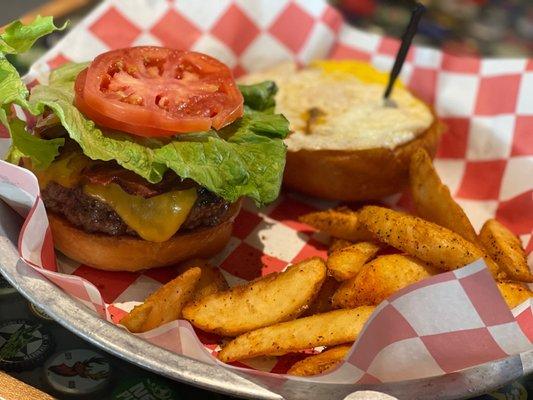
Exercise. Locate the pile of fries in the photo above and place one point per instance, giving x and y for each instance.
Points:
(375, 251)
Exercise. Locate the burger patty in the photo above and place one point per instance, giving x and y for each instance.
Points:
(95, 216)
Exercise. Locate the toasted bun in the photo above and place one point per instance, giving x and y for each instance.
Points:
(125, 253)
(345, 145)
(355, 175)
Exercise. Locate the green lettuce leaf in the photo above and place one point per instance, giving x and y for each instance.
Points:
(95, 145)
(248, 163)
(259, 96)
(246, 158)
(42, 152)
(67, 72)
(18, 38)
(12, 89)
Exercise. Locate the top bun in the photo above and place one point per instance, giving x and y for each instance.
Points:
(346, 144)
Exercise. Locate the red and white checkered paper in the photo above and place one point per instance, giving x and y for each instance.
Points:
(443, 324)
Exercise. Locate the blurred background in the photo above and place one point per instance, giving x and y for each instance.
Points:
(496, 28)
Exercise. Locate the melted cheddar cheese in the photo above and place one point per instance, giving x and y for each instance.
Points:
(155, 219)
(65, 170)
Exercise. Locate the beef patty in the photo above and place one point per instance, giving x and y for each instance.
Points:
(95, 216)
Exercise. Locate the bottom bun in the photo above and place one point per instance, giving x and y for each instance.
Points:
(356, 175)
(126, 253)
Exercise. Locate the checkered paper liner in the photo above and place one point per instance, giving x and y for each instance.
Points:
(486, 157)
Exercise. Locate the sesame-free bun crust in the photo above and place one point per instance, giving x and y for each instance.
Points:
(356, 175)
(127, 253)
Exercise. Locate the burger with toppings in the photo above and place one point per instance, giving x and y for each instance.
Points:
(144, 154)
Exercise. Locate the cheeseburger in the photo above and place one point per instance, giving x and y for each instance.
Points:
(144, 154)
(346, 143)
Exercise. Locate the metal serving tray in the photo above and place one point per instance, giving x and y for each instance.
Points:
(80, 320)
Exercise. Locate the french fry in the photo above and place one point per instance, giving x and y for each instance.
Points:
(506, 250)
(514, 293)
(337, 244)
(322, 302)
(347, 262)
(211, 280)
(165, 304)
(434, 203)
(136, 318)
(379, 279)
(328, 329)
(320, 363)
(424, 240)
(432, 199)
(341, 223)
(269, 300)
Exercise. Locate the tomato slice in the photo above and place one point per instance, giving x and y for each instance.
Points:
(157, 91)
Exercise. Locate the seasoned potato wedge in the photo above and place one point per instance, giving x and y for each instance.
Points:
(347, 262)
(341, 223)
(320, 363)
(379, 279)
(165, 304)
(506, 250)
(432, 199)
(271, 299)
(136, 318)
(422, 239)
(337, 244)
(328, 329)
(211, 280)
(322, 302)
(514, 293)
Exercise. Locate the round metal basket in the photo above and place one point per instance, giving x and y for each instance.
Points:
(77, 318)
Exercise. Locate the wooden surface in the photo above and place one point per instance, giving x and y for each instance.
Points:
(13, 389)
(55, 8)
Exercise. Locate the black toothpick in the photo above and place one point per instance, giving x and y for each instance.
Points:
(407, 38)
